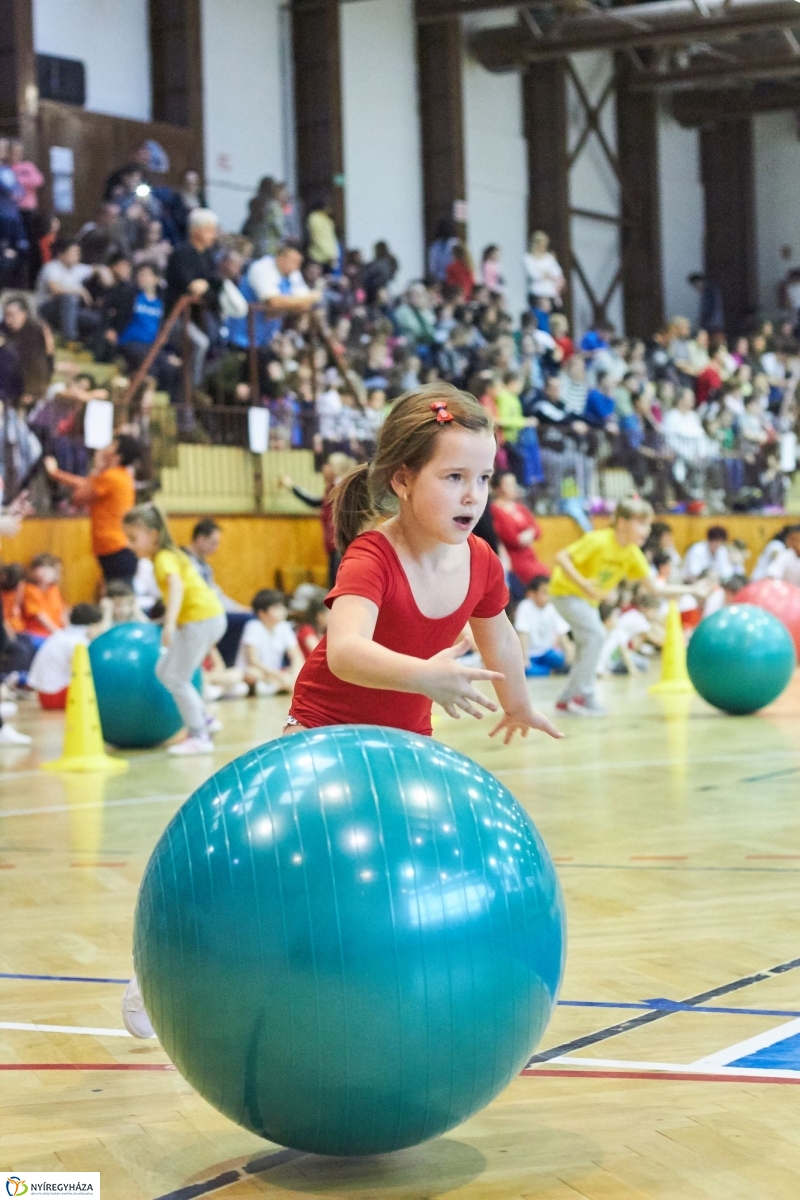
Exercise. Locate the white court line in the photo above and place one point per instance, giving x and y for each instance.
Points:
(80, 1029)
(760, 1042)
(61, 808)
(703, 1067)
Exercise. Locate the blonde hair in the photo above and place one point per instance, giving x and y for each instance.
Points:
(633, 508)
(407, 439)
(149, 516)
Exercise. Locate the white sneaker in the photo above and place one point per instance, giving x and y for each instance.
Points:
(134, 1016)
(193, 745)
(9, 736)
(266, 689)
(8, 709)
(237, 691)
(211, 692)
(213, 725)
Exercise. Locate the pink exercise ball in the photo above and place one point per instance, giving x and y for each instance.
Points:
(780, 598)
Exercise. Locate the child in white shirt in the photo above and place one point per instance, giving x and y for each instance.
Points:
(267, 642)
(542, 631)
(51, 669)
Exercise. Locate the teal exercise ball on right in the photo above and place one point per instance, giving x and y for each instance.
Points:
(741, 658)
(136, 710)
(349, 940)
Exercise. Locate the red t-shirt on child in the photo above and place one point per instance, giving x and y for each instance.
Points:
(371, 568)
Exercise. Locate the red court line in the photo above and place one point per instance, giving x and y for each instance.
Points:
(671, 1075)
(658, 857)
(86, 1067)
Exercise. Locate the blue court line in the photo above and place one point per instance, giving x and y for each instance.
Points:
(63, 978)
(659, 1004)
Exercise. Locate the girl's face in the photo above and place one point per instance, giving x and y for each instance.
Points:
(632, 531)
(445, 498)
(142, 541)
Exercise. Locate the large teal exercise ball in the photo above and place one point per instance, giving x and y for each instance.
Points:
(136, 711)
(349, 940)
(741, 658)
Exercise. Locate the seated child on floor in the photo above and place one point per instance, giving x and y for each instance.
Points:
(43, 608)
(634, 628)
(542, 631)
(267, 643)
(51, 669)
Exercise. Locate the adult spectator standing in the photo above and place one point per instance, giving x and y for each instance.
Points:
(323, 244)
(379, 273)
(206, 539)
(32, 343)
(193, 269)
(543, 271)
(709, 555)
(711, 314)
(61, 293)
(13, 239)
(109, 493)
(29, 179)
(440, 252)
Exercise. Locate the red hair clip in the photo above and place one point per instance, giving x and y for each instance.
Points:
(440, 408)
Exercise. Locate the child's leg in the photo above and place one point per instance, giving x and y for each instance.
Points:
(175, 669)
(589, 634)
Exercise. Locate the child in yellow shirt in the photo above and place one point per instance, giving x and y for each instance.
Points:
(194, 622)
(585, 574)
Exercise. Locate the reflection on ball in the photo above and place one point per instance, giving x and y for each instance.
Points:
(349, 940)
(741, 658)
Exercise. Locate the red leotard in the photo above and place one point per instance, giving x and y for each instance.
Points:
(371, 568)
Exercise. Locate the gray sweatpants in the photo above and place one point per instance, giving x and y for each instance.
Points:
(589, 634)
(190, 645)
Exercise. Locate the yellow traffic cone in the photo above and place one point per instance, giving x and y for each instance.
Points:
(674, 676)
(83, 740)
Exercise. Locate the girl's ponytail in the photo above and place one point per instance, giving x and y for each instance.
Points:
(353, 510)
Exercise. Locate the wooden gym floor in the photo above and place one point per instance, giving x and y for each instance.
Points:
(670, 1067)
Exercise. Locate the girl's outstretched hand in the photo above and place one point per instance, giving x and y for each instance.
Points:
(510, 725)
(450, 683)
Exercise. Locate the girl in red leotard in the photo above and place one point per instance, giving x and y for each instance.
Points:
(517, 529)
(413, 575)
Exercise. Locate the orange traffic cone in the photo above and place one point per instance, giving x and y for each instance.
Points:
(83, 739)
(674, 676)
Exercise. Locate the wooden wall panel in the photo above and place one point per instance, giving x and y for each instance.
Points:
(100, 144)
(441, 122)
(255, 547)
(726, 166)
(318, 104)
(544, 110)
(637, 148)
(176, 62)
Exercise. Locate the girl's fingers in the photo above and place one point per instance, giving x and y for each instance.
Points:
(452, 711)
(478, 698)
(546, 726)
(482, 673)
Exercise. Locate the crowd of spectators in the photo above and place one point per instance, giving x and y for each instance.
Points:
(696, 420)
